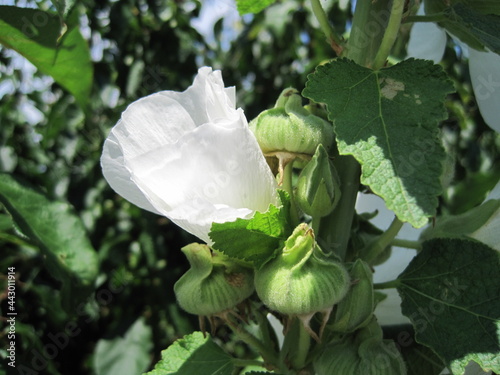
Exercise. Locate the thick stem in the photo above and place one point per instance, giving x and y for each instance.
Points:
(390, 34)
(331, 36)
(335, 228)
(303, 344)
(385, 239)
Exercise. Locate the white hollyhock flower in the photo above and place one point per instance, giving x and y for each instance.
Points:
(189, 156)
(428, 41)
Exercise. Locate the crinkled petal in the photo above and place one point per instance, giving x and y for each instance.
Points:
(161, 119)
(427, 40)
(484, 70)
(216, 173)
(118, 176)
(189, 156)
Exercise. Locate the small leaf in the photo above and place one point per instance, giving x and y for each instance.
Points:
(388, 120)
(127, 355)
(450, 292)
(257, 239)
(58, 232)
(252, 6)
(36, 35)
(192, 353)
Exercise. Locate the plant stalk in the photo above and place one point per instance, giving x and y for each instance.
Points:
(385, 239)
(406, 243)
(390, 34)
(331, 36)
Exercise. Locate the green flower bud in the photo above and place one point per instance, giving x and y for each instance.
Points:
(291, 128)
(302, 280)
(356, 309)
(212, 284)
(318, 188)
(364, 352)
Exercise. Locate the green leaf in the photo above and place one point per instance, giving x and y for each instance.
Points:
(467, 23)
(127, 355)
(463, 225)
(482, 6)
(252, 6)
(257, 239)
(36, 35)
(419, 359)
(388, 120)
(192, 353)
(58, 232)
(474, 22)
(450, 291)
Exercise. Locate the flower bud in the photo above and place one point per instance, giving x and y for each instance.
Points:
(302, 280)
(318, 188)
(289, 127)
(356, 309)
(212, 284)
(363, 352)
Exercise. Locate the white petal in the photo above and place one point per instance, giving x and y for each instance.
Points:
(118, 176)
(158, 120)
(427, 40)
(189, 156)
(214, 174)
(484, 70)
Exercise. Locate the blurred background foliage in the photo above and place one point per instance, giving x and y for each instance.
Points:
(139, 47)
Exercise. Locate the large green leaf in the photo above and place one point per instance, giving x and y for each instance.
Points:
(450, 292)
(257, 239)
(125, 355)
(36, 35)
(58, 232)
(193, 354)
(387, 119)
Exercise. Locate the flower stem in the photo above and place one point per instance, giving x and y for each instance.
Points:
(303, 344)
(387, 285)
(331, 36)
(390, 34)
(406, 243)
(288, 187)
(296, 346)
(384, 240)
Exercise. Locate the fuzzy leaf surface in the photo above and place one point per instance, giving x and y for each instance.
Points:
(388, 120)
(255, 240)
